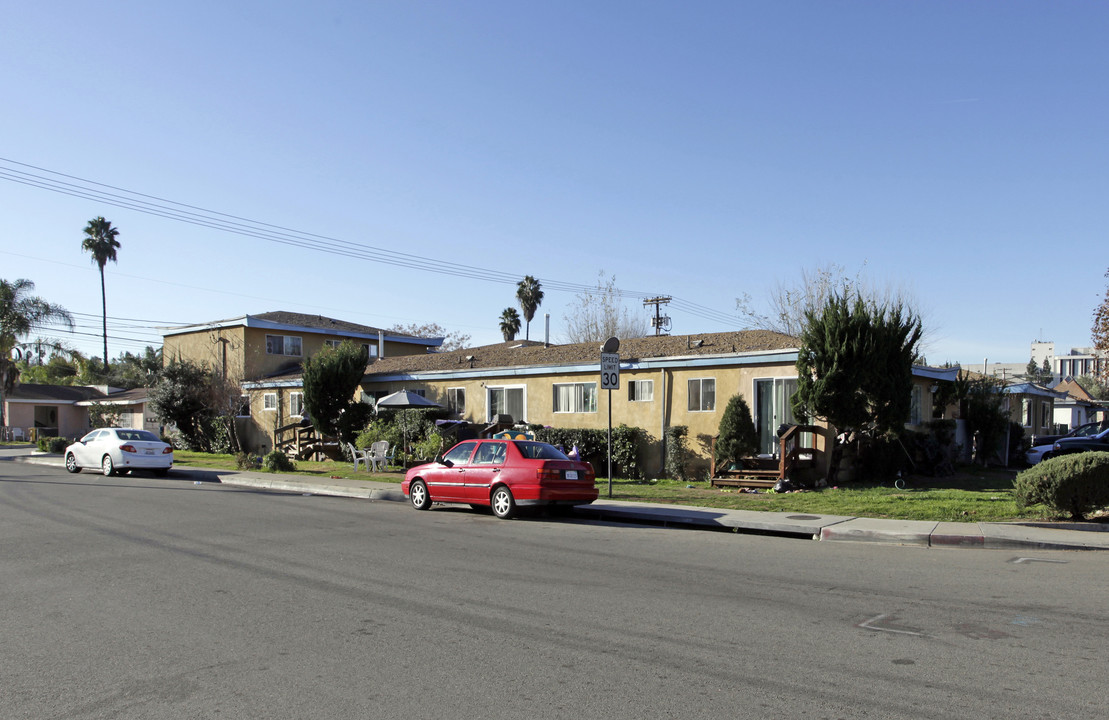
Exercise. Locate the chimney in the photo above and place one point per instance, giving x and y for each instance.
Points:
(547, 332)
(381, 343)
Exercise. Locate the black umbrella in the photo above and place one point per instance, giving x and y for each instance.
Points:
(406, 400)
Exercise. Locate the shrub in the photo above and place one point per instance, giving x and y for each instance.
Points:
(429, 447)
(677, 454)
(52, 444)
(1076, 484)
(378, 430)
(736, 435)
(277, 461)
(246, 461)
(627, 444)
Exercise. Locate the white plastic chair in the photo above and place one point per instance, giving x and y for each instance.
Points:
(379, 455)
(359, 456)
(17, 434)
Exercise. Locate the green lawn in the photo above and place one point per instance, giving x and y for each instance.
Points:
(972, 495)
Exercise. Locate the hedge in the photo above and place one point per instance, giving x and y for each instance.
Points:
(1076, 484)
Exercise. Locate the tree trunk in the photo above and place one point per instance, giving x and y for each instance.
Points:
(104, 308)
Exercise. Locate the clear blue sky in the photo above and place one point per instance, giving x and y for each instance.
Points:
(703, 150)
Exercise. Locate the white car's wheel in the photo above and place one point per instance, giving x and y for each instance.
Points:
(71, 463)
(107, 466)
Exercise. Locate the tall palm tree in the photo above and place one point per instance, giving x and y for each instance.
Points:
(100, 241)
(20, 314)
(510, 323)
(529, 293)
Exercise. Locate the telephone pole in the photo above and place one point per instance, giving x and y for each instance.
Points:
(660, 322)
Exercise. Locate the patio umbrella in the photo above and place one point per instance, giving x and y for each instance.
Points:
(406, 400)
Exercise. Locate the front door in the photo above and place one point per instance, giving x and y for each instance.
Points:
(772, 409)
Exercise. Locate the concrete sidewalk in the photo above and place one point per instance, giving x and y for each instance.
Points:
(1008, 536)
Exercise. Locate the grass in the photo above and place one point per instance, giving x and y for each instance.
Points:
(971, 495)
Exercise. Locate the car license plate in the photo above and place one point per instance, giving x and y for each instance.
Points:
(148, 451)
(571, 474)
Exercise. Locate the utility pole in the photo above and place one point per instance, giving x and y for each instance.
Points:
(660, 322)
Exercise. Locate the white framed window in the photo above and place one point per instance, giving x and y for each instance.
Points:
(641, 390)
(244, 406)
(1026, 412)
(507, 400)
(296, 404)
(702, 395)
(575, 397)
(456, 400)
(269, 401)
(916, 399)
(371, 349)
(1045, 414)
(283, 345)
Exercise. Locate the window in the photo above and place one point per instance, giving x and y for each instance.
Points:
(915, 401)
(371, 350)
(269, 401)
(702, 395)
(460, 453)
(575, 397)
(283, 345)
(641, 390)
(296, 403)
(1045, 414)
(456, 400)
(1026, 412)
(490, 454)
(507, 401)
(244, 406)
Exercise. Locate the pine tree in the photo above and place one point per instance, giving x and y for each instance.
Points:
(737, 436)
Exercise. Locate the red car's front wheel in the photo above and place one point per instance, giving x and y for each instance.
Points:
(418, 494)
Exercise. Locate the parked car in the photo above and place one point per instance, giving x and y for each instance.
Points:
(503, 475)
(1067, 446)
(1044, 443)
(1086, 430)
(114, 450)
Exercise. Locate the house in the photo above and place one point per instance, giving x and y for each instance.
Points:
(63, 410)
(1032, 406)
(1076, 406)
(664, 381)
(263, 355)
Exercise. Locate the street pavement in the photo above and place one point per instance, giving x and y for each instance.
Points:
(838, 528)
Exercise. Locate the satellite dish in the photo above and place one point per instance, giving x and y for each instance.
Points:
(611, 345)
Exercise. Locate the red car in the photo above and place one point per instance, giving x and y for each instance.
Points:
(503, 475)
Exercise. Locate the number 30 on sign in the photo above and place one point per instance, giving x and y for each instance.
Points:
(610, 371)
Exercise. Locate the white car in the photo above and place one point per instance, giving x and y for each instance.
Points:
(116, 450)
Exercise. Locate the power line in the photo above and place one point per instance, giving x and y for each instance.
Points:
(201, 217)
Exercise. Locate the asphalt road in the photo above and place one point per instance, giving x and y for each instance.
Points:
(147, 598)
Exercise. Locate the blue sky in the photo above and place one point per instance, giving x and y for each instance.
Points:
(956, 150)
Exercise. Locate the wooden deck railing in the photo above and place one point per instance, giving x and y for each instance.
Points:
(766, 472)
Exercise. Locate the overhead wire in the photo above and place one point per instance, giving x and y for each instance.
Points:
(224, 222)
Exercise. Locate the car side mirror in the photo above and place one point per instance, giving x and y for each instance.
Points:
(443, 461)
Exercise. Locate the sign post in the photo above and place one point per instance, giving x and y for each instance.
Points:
(610, 380)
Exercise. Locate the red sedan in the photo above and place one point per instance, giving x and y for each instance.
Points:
(503, 475)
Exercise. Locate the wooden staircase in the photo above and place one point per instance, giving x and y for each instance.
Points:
(300, 442)
(765, 472)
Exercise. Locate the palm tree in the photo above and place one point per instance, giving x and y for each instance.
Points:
(100, 240)
(529, 293)
(21, 313)
(510, 323)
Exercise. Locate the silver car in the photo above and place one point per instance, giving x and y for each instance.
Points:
(116, 450)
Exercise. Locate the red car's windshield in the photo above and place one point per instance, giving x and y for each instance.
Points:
(539, 450)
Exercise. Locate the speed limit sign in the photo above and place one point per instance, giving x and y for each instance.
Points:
(610, 371)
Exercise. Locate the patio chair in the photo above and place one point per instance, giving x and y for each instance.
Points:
(359, 456)
(380, 455)
(17, 435)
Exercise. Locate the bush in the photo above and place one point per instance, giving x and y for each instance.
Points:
(246, 461)
(627, 445)
(52, 444)
(677, 454)
(1076, 484)
(736, 435)
(278, 461)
